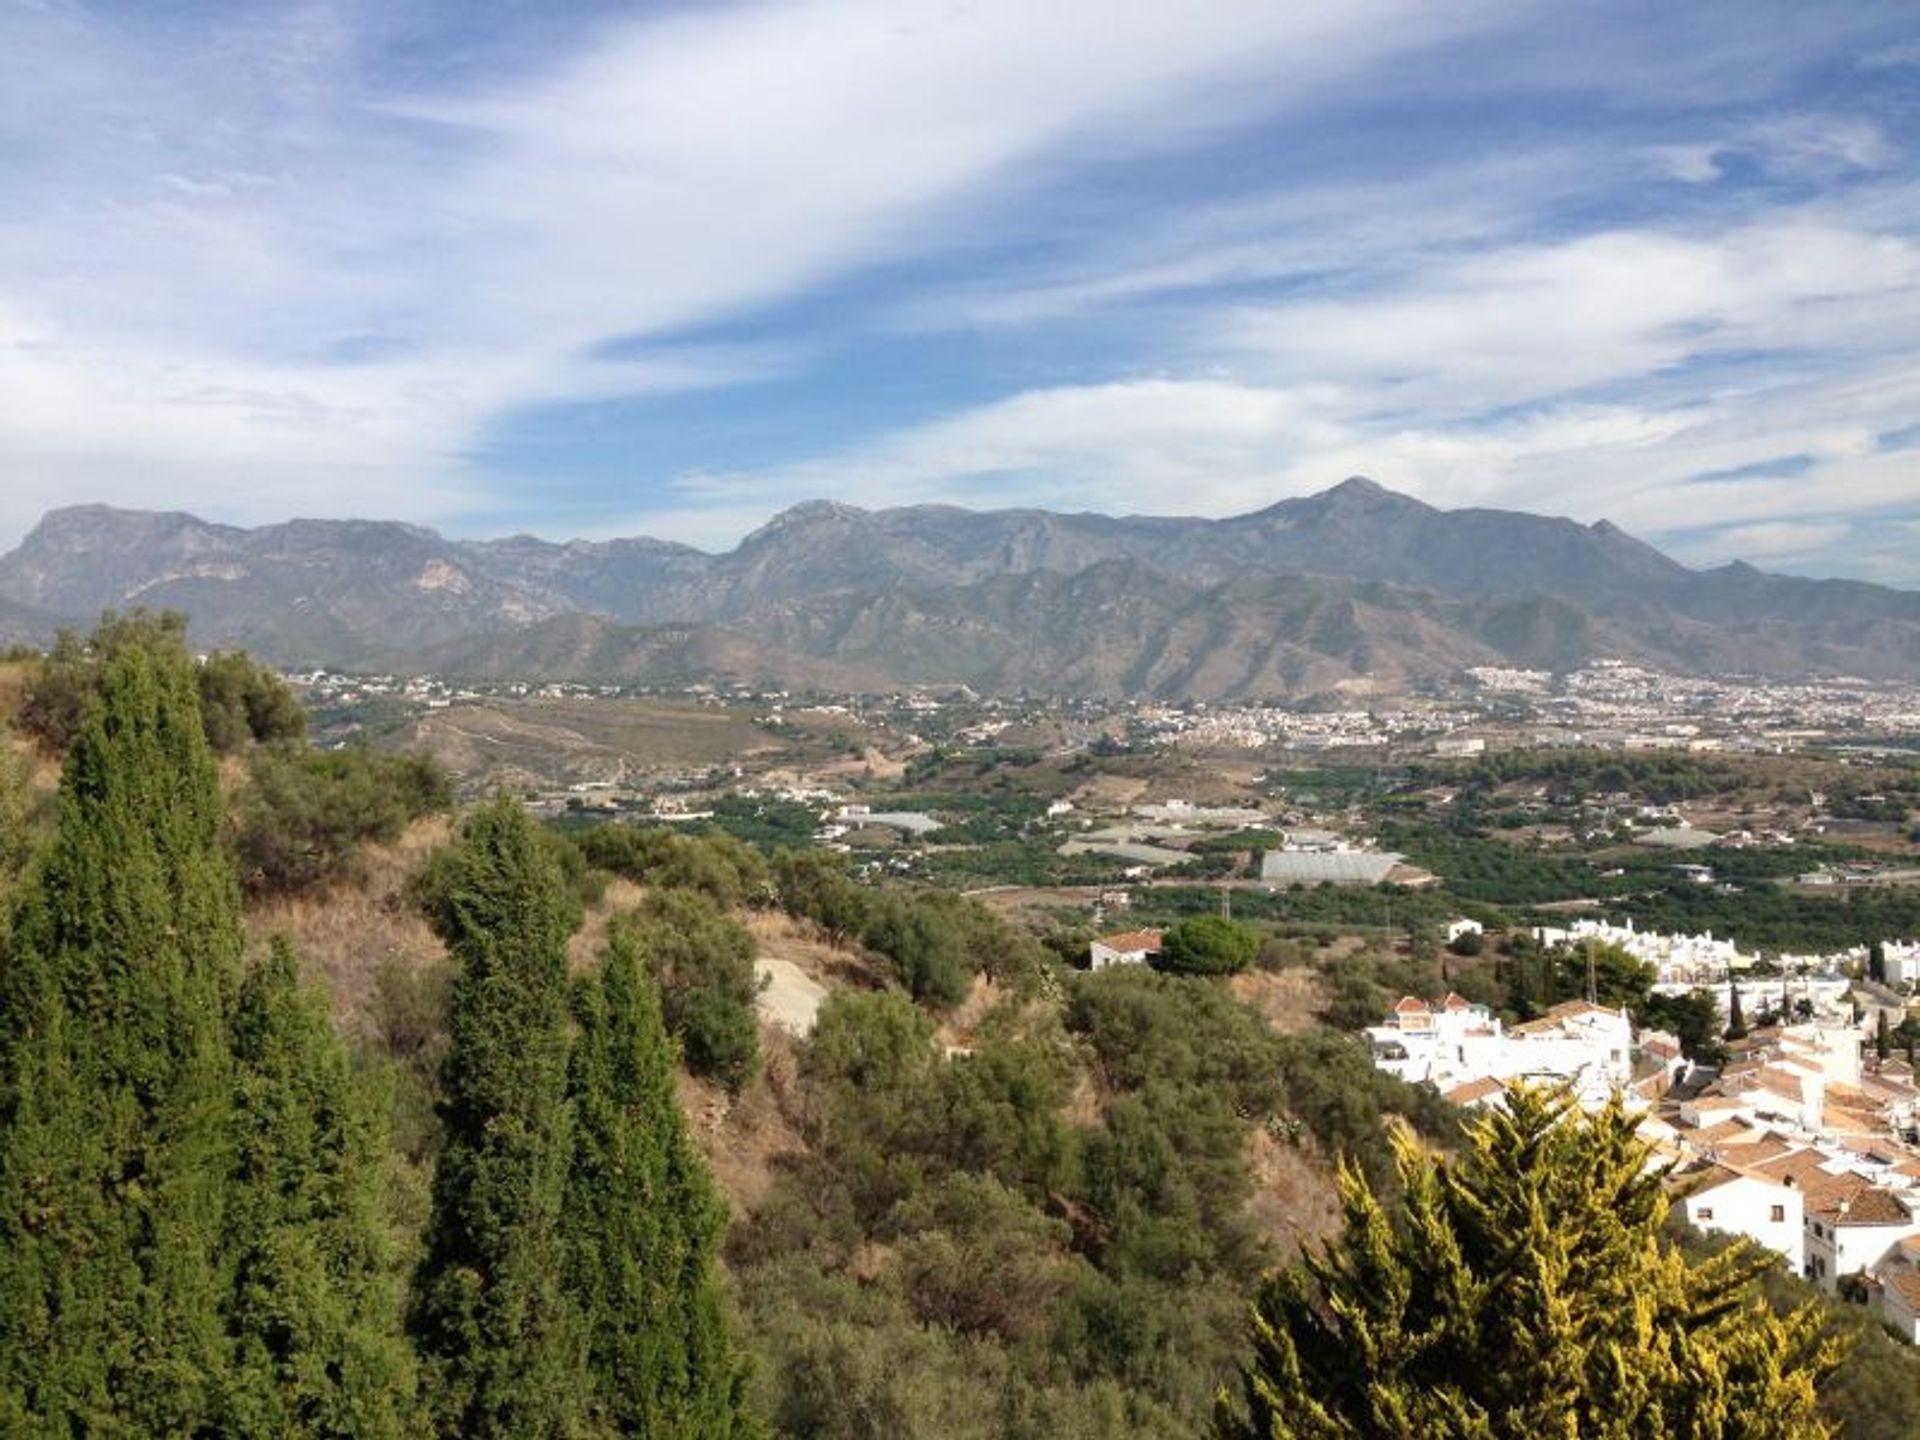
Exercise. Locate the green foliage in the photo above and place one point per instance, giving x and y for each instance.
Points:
(1526, 1291)
(725, 868)
(305, 814)
(191, 1237)
(316, 1303)
(115, 1077)
(641, 1226)
(239, 700)
(702, 960)
(242, 701)
(498, 1334)
(1693, 1019)
(1209, 945)
(814, 885)
(19, 818)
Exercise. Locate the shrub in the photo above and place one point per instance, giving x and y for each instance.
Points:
(305, 813)
(1208, 945)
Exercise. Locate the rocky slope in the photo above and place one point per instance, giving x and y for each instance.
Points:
(1357, 584)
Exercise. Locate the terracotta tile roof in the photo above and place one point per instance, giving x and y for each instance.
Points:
(1873, 1206)
(1411, 1005)
(1574, 1009)
(1127, 941)
(1713, 1177)
(1905, 1284)
(1715, 1134)
(1805, 1168)
(1474, 1090)
(1768, 1147)
(1826, 1195)
(1456, 1002)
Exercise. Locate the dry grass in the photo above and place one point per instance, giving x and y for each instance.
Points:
(745, 1137)
(1295, 1202)
(781, 937)
(590, 939)
(1288, 1000)
(347, 935)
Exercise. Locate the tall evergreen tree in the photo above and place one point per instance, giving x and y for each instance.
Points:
(1525, 1292)
(115, 1079)
(643, 1226)
(315, 1309)
(498, 1335)
(1736, 1016)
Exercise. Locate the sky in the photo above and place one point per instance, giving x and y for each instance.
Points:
(595, 269)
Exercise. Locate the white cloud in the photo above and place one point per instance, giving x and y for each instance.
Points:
(219, 217)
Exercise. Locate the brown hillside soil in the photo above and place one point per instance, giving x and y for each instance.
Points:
(1295, 1201)
(781, 937)
(744, 1137)
(584, 948)
(346, 935)
(1287, 999)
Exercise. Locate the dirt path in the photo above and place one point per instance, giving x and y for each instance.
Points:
(791, 998)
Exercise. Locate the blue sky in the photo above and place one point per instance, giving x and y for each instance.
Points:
(598, 269)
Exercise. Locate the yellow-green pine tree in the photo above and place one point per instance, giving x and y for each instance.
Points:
(1524, 1293)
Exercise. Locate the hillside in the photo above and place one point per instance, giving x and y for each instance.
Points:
(1357, 584)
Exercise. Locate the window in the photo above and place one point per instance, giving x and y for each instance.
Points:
(1704, 1214)
(1777, 1214)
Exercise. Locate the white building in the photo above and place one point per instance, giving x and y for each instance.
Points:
(1726, 1201)
(1456, 1042)
(1852, 1226)
(1128, 947)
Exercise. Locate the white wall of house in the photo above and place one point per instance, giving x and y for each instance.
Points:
(1835, 1251)
(1765, 1211)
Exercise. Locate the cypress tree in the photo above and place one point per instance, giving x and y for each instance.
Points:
(497, 1334)
(115, 1080)
(1736, 1017)
(315, 1308)
(1525, 1292)
(643, 1226)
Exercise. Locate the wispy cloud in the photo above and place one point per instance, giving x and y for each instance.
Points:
(304, 258)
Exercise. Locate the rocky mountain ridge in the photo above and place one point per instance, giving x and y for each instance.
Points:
(1355, 584)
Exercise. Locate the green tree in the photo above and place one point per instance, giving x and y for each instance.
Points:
(1209, 945)
(1526, 1291)
(316, 1307)
(1736, 1017)
(499, 1337)
(702, 960)
(643, 1226)
(115, 1080)
(241, 701)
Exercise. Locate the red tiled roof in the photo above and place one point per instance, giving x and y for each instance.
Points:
(1474, 1090)
(1872, 1206)
(1128, 941)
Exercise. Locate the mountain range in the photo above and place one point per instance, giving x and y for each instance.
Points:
(1355, 588)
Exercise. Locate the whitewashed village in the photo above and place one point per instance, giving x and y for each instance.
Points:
(1805, 1141)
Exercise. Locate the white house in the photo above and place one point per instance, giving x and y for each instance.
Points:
(1463, 926)
(1455, 1042)
(1851, 1226)
(1128, 947)
(1727, 1201)
(1900, 1304)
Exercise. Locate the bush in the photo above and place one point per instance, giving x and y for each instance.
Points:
(1209, 945)
(240, 701)
(305, 813)
(702, 960)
